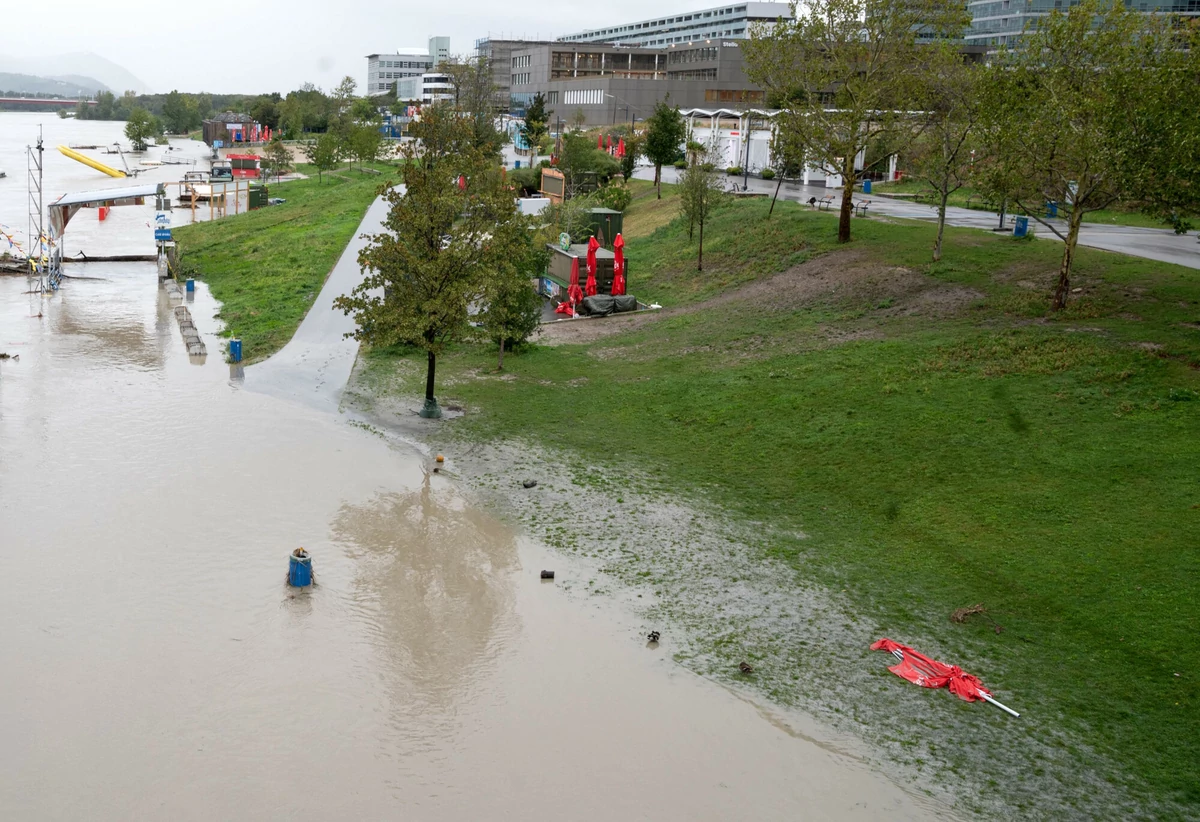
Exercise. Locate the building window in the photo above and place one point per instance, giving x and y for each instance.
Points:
(552, 97)
(583, 97)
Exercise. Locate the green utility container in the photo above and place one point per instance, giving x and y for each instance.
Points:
(604, 224)
(258, 197)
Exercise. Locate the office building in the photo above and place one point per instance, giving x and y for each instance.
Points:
(614, 84)
(728, 22)
(498, 54)
(426, 88)
(384, 70)
(999, 24)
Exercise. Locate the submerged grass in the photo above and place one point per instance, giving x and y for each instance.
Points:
(986, 452)
(266, 267)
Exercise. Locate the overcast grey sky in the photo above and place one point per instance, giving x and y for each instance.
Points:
(275, 46)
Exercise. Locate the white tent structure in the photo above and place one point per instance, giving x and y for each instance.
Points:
(742, 138)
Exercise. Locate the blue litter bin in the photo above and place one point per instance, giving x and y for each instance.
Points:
(1051, 209)
(866, 186)
(517, 164)
(1020, 226)
(235, 350)
(191, 285)
(299, 568)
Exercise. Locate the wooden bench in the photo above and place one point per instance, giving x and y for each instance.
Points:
(860, 207)
(821, 203)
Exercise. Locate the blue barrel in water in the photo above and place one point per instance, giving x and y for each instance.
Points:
(299, 569)
(1020, 226)
(235, 350)
(191, 285)
(866, 186)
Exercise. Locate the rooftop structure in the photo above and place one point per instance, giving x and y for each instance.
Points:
(383, 70)
(730, 22)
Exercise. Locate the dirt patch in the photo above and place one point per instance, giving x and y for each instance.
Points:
(849, 275)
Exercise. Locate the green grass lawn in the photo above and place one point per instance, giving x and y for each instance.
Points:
(940, 438)
(267, 266)
(966, 197)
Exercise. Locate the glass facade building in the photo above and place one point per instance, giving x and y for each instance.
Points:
(998, 24)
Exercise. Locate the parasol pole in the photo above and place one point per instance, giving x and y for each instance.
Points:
(982, 695)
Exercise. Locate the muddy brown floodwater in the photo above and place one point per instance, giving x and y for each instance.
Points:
(156, 666)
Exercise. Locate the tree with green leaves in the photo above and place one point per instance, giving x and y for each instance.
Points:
(511, 307)
(179, 113)
(536, 123)
(634, 147)
(365, 141)
(845, 75)
(440, 244)
(665, 133)
(942, 153)
(142, 127)
(700, 191)
(1097, 107)
(277, 158)
(322, 153)
(475, 98)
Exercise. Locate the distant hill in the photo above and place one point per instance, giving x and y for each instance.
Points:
(79, 65)
(69, 86)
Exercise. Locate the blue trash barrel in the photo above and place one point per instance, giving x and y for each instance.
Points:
(518, 164)
(866, 186)
(1051, 209)
(191, 285)
(1020, 226)
(235, 350)
(299, 569)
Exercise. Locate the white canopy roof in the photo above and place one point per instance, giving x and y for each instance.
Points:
(64, 208)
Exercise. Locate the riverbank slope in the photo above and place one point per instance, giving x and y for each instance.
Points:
(814, 446)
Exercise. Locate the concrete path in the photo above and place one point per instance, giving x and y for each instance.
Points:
(316, 363)
(1163, 245)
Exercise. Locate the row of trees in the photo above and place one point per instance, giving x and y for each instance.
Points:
(1093, 108)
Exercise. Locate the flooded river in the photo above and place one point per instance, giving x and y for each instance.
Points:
(156, 666)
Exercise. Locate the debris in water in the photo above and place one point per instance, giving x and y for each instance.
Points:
(653, 636)
(547, 575)
(745, 667)
(529, 483)
(14, 357)
(929, 673)
(440, 458)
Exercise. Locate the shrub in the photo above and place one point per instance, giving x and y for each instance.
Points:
(613, 196)
(768, 174)
(681, 164)
(733, 170)
(707, 167)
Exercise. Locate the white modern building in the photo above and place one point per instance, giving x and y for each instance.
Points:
(384, 70)
(728, 22)
(428, 88)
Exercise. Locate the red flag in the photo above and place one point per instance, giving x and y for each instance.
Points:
(590, 287)
(929, 673)
(618, 287)
(621, 147)
(574, 293)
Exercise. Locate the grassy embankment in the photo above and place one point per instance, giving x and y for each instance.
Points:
(940, 438)
(967, 197)
(267, 266)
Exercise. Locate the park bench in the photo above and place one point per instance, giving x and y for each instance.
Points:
(860, 207)
(821, 203)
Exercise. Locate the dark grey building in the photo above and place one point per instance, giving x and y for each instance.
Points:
(614, 84)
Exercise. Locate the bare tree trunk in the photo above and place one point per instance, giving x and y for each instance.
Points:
(700, 257)
(500, 364)
(432, 366)
(776, 197)
(1068, 261)
(941, 228)
(847, 204)
(658, 178)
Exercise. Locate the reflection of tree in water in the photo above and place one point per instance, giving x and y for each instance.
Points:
(115, 328)
(433, 586)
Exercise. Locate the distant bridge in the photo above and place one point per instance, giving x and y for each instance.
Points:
(45, 101)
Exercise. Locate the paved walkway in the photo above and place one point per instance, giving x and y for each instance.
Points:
(1163, 245)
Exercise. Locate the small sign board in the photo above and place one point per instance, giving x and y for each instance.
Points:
(162, 219)
(162, 234)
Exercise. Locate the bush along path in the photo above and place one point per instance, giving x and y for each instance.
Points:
(808, 450)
